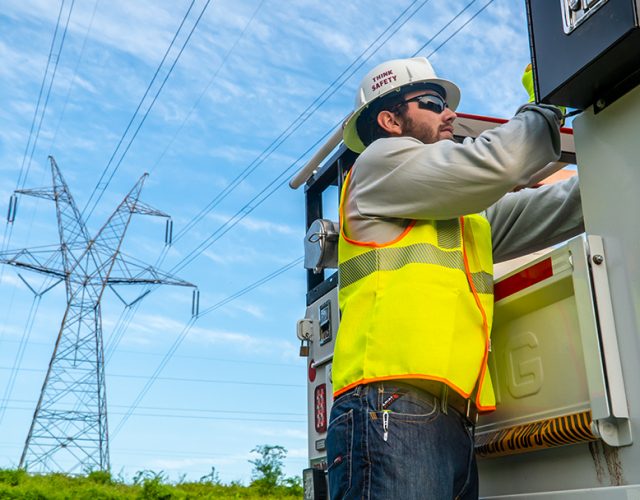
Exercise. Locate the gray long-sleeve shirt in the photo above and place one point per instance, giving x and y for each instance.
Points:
(398, 179)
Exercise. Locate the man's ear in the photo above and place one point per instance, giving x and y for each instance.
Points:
(389, 122)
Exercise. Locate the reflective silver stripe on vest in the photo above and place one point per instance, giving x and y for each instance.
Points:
(483, 282)
(448, 233)
(392, 259)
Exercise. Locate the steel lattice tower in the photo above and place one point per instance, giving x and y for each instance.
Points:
(69, 424)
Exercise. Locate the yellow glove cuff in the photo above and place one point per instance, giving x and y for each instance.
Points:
(527, 83)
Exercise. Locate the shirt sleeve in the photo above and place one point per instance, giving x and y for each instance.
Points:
(401, 177)
(532, 219)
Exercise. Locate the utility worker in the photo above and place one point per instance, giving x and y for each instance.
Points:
(422, 220)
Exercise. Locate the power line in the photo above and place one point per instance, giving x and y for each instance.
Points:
(247, 208)
(44, 108)
(194, 410)
(211, 381)
(176, 379)
(129, 312)
(214, 417)
(186, 330)
(143, 451)
(219, 360)
(76, 370)
(24, 340)
(461, 27)
(156, 354)
(26, 333)
(75, 73)
(185, 416)
(121, 327)
(252, 286)
(302, 117)
(101, 187)
(22, 178)
(442, 30)
(211, 80)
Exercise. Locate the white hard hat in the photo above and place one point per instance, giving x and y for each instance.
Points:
(393, 76)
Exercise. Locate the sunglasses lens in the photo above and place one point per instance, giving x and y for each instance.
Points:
(432, 103)
(432, 106)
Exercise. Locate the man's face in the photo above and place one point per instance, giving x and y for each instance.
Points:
(425, 124)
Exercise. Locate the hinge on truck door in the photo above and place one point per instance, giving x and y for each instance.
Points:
(615, 430)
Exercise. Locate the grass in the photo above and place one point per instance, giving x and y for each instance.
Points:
(147, 485)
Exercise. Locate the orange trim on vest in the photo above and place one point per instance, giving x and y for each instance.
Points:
(415, 376)
(371, 244)
(484, 410)
(485, 323)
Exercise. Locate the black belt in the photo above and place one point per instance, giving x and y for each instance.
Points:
(442, 394)
(465, 407)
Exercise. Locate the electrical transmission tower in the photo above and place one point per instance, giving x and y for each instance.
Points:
(69, 430)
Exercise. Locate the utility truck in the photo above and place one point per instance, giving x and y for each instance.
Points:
(565, 359)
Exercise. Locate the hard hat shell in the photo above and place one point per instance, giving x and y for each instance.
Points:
(388, 77)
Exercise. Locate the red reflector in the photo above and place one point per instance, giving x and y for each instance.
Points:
(524, 279)
(312, 371)
(320, 399)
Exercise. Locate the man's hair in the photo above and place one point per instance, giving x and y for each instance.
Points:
(367, 123)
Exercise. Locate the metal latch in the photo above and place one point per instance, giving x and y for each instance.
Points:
(321, 245)
(575, 12)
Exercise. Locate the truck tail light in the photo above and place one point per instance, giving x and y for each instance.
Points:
(320, 400)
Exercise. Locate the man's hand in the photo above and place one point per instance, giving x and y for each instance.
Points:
(527, 83)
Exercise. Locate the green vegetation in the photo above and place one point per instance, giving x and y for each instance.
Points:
(268, 482)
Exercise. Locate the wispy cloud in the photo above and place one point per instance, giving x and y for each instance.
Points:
(10, 331)
(296, 434)
(253, 310)
(149, 327)
(10, 279)
(259, 225)
(240, 341)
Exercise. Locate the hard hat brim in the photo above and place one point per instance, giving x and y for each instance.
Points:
(350, 133)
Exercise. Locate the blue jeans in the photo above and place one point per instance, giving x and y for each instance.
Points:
(392, 441)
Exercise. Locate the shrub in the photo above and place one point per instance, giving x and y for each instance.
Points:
(12, 477)
(100, 477)
(267, 468)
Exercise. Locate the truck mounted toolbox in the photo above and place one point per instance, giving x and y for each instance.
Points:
(584, 51)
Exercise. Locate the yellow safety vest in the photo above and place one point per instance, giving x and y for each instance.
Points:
(418, 307)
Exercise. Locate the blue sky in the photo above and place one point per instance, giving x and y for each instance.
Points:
(247, 74)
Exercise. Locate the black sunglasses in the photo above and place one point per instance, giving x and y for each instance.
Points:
(432, 102)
